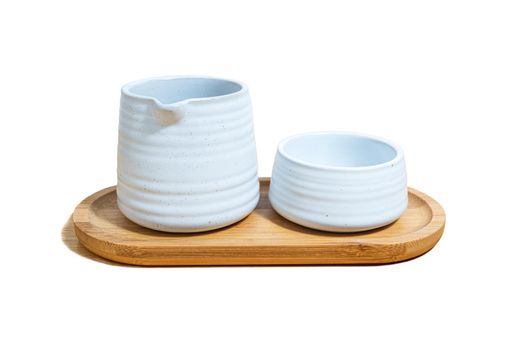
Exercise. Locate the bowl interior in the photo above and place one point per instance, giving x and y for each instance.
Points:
(338, 150)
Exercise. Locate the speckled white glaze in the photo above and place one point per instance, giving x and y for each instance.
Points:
(339, 181)
(186, 153)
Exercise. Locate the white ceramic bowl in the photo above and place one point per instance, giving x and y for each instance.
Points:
(339, 181)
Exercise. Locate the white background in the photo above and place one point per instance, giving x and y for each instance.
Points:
(445, 79)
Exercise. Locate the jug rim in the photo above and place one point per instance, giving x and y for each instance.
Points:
(127, 88)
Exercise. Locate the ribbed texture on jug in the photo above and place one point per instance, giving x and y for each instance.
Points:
(186, 154)
(334, 186)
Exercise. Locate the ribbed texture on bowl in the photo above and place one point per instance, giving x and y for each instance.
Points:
(197, 174)
(338, 200)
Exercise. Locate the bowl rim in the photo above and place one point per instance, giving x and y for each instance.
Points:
(398, 157)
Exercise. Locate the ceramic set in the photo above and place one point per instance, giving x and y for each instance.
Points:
(187, 163)
(188, 192)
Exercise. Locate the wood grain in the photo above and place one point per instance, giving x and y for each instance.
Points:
(263, 238)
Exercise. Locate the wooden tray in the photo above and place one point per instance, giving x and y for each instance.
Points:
(263, 238)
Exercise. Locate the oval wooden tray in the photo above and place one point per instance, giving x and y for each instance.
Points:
(263, 238)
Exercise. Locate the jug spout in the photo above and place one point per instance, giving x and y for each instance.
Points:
(168, 114)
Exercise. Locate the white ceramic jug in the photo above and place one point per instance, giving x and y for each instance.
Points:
(186, 153)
